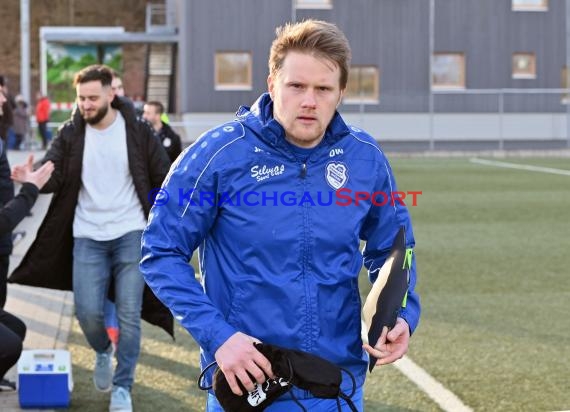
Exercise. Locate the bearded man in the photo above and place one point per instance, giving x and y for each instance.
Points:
(106, 163)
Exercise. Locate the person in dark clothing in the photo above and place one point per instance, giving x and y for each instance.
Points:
(7, 108)
(21, 121)
(14, 209)
(6, 195)
(12, 329)
(12, 334)
(107, 162)
(152, 112)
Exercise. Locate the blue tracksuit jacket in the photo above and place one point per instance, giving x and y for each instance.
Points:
(278, 248)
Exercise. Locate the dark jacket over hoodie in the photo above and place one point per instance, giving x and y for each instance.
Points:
(170, 141)
(6, 195)
(13, 212)
(48, 262)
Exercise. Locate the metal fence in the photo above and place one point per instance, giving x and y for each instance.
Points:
(542, 112)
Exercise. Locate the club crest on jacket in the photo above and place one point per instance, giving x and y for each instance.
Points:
(336, 174)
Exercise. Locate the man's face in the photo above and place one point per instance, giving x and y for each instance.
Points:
(150, 113)
(305, 94)
(93, 100)
(117, 86)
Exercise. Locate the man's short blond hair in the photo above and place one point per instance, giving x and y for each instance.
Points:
(316, 37)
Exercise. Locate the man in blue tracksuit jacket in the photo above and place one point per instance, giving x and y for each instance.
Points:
(275, 202)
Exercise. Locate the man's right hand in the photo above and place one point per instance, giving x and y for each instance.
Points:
(24, 173)
(237, 357)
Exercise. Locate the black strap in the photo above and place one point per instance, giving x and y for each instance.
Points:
(348, 402)
(345, 397)
(353, 382)
(205, 388)
(292, 392)
(297, 401)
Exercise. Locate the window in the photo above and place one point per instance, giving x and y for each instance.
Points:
(363, 85)
(524, 66)
(529, 5)
(448, 71)
(565, 84)
(233, 71)
(313, 4)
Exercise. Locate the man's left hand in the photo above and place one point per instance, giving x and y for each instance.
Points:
(391, 345)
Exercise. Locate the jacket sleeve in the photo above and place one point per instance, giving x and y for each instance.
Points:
(16, 209)
(56, 153)
(176, 227)
(176, 144)
(379, 231)
(158, 159)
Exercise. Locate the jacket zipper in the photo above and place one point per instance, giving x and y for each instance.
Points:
(308, 342)
(303, 170)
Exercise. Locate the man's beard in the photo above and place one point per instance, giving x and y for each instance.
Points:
(101, 113)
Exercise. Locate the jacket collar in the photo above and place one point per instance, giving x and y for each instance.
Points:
(259, 119)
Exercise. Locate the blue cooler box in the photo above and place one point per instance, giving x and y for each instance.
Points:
(44, 379)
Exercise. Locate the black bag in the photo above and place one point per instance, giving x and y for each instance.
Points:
(291, 367)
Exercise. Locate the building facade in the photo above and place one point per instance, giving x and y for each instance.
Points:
(483, 44)
(421, 69)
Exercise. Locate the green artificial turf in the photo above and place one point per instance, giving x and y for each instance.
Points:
(492, 248)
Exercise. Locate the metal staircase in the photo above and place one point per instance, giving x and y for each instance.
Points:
(161, 57)
(160, 78)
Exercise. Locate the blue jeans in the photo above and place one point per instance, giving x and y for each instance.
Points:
(288, 405)
(94, 262)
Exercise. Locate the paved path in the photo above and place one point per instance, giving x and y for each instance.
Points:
(47, 313)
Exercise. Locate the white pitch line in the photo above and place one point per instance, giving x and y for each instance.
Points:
(529, 168)
(446, 399)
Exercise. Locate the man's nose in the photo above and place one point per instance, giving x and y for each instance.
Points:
(309, 99)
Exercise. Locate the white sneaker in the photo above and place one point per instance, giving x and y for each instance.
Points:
(120, 400)
(103, 373)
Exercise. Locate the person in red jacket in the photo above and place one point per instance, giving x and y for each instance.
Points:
(42, 117)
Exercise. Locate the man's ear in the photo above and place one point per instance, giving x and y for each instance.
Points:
(340, 98)
(270, 85)
(110, 93)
